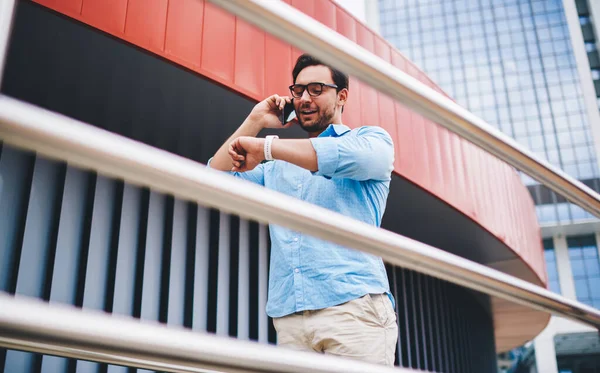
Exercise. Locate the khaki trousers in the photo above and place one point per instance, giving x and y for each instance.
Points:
(363, 329)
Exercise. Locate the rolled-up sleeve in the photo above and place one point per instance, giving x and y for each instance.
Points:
(363, 154)
(257, 175)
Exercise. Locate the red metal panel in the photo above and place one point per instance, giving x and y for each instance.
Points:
(421, 151)
(107, 15)
(218, 46)
(325, 13)
(69, 7)
(346, 25)
(447, 166)
(351, 115)
(460, 188)
(278, 66)
(436, 178)
(146, 23)
(398, 60)
(470, 173)
(369, 105)
(383, 49)
(184, 31)
(250, 58)
(305, 6)
(387, 115)
(405, 162)
(365, 37)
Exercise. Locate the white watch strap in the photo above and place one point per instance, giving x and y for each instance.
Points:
(268, 142)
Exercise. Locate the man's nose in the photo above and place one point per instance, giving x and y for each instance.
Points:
(305, 96)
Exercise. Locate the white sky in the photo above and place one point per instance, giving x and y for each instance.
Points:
(356, 7)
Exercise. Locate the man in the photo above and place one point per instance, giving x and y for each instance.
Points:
(322, 297)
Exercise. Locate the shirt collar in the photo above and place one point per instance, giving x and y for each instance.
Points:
(334, 130)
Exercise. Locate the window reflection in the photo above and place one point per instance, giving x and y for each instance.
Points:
(585, 265)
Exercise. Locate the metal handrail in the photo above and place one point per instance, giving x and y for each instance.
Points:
(291, 25)
(60, 137)
(33, 325)
(57, 330)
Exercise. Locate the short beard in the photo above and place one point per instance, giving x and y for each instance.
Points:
(318, 126)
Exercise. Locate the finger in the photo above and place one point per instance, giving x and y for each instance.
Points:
(290, 123)
(235, 155)
(276, 99)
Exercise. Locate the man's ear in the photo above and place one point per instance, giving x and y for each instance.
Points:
(342, 97)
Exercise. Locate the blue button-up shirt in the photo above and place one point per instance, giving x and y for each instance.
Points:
(353, 179)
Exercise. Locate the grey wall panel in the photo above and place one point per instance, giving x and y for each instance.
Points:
(201, 250)
(153, 258)
(40, 228)
(63, 286)
(127, 249)
(177, 275)
(243, 314)
(263, 267)
(223, 275)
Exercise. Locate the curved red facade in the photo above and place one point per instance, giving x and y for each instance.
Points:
(204, 38)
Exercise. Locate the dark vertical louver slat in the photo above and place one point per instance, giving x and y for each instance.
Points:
(253, 280)
(234, 265)
(37, 247)
(422, 322)
(109, 300)
(462, 307)
(211, 305)
(446, 328)
(140, 255)
(177, 275)
(441, 288)
(407, 341)
(431, 345)
(243, 289)
(202, 248)
(413, 319)
(393, 276)
(190, 263)
(223, 275)
(165, 264)
(467, 337)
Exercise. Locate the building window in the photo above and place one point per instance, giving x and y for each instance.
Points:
(585, 264)
(551, 267)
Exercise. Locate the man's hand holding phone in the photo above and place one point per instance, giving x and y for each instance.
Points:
(270, 111)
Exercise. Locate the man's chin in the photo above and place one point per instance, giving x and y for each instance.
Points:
(311, 127)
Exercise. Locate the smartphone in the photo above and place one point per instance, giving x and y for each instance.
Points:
(288, 113)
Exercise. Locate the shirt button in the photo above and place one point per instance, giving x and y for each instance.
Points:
(295, 239)
(299, 186)
(297, 270)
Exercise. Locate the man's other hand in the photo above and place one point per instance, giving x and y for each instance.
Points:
(246, 153)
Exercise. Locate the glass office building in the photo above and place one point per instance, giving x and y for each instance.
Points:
(530, 68)
(510, 62)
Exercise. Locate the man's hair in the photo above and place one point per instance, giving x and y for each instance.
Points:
(339, 78)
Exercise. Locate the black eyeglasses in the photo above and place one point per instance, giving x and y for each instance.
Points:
(314, 89)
